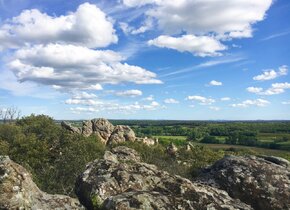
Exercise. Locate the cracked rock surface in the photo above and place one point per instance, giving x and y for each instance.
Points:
(120, 180)
(263, 182)
(18, 191)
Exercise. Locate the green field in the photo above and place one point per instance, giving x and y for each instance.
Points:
(181, 140)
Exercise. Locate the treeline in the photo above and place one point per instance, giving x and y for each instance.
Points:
(235, 133)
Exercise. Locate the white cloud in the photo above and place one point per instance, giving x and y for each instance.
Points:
(225, 99)
(215, 83)
(201, 99)
(88, 102)
(203, 17)
(88, 26)
(109, 106)
(75, 67)
(258, 102)
(276, 88)
(129, 93)
(137, 3)
(202, 20)
(171, 101)
(254, 89)
(149, 98)
(272, 74)
(286, 102)
(84, 95)
(215, 108)
(197, 45)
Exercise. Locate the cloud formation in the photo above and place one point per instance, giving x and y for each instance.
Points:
(75, 67)
(129, 93)
(171, 101)
(276, 88)
(215, 83)
(202, 100)
(272, 74)
(198, 45)
(200, 20)
(88, 26)
(258, 102)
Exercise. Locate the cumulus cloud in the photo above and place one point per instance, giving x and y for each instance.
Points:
(203, 17)
(258, 102)
(200, 21)
(215, 108)
(197, 45)
(225, 99)
(149, 98)
(276, 88)
(88, 26)
(137, 3)
(202, 100)
(109, 106)
(75, 67)
(171, 101)
(272, 74)
(215, 83)
(84, 95)
(129, 93)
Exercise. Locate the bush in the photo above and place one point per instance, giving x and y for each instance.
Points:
(210, 140)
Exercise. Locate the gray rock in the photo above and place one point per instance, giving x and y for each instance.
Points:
(71, 128)
(87, 128)
(171, 149)
(147, 141)
(262, 182)
(102, 128)
(18, 191)
(122, 133)
(121, 181)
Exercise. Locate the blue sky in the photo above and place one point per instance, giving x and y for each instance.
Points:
(149, 59)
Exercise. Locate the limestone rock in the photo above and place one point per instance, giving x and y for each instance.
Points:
(121, 181)
(71, 128)
(171, 149)
(18, 191)
(121, 134)
(262, 182)
(102, 128)
(147, 141)
(87, 128)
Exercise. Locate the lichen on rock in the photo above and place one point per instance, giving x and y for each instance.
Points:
(120, 180)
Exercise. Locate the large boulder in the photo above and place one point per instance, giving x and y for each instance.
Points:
(71, 128)
(18, 191)
(102, 128)
(122, 133)
(87, 128)
(262, 182)
(122, 181)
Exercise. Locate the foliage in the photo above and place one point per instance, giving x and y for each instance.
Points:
(54, 157)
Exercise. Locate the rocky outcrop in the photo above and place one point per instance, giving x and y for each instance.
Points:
(171, 149)
(122, 181)
(103, 128)
(262, 182)
(104, 131)
(18, 191)
(87, 128)
(148, 141)
(122, 133)
(71, 128)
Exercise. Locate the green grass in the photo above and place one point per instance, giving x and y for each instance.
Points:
(181, 140)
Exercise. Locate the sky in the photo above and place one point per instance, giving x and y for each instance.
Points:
(146, 59)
